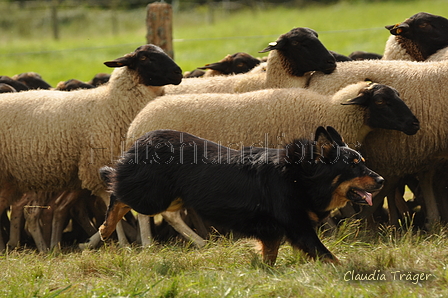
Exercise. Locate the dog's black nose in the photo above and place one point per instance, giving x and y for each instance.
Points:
(379, 180)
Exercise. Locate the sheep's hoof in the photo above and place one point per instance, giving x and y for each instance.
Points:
(92, 242)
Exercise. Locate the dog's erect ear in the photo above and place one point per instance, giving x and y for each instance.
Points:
(337, 138)
(324, 143)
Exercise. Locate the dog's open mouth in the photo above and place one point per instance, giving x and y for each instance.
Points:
(359, 196)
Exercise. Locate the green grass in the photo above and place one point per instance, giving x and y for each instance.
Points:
(228, 268)
(87, 40)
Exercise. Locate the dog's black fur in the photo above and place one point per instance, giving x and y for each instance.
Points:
(264, 193)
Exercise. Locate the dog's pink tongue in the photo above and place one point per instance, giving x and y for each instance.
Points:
(366, 196)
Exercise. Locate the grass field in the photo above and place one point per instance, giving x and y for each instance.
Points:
(87, 40)
(392, 264)
(398, 262)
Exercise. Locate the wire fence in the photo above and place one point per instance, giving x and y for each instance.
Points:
(176, 40)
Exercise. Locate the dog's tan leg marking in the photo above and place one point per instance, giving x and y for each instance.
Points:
(269, 251)
(112, 218)
(175, 205)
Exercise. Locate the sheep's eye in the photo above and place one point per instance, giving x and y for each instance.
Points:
(240, 65)
(143, 57)
(380, 101)
(424, 25)
(295, 43)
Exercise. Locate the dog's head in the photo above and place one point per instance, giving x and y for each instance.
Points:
(351, 179)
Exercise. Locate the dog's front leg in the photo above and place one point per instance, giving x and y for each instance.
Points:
(115, 213)
(307, 241)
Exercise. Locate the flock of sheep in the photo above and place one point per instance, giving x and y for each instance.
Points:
(54, 142)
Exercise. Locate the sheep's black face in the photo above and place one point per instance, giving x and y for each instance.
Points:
(234, 64)
(303, 52)
(154, 67)
(157, 69)
(243, 62)
(428, 31)
(385, 109)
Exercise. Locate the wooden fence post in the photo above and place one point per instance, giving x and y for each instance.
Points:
(54, 19)
(159, 26)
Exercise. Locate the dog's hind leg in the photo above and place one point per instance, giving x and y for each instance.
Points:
(175, 220)
(269, 250)
(197, 223)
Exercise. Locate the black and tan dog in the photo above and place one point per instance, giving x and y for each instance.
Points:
(265, 193)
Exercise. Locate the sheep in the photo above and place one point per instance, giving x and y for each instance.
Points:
(197, 73)
(6, 88)
(18, 86)
(32, 80)
(340, 57)
(99, 79)
(422, 86)
(231, 64)
(269, 118)
(417, 38)
(73, 84)
(362, 55)
(296, 54)
(55, 140)
(420, 38)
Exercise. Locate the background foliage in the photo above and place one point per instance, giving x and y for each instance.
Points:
(91, 35)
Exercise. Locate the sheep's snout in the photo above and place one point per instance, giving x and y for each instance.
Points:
(412, 126)
(176, 76)
(330, 66)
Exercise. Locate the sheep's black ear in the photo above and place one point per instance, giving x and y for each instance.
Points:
(397, 29)
(362, 98)
(215, 66)
(119, 62)
(335, 136)
(275, 45)
(324, 143)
